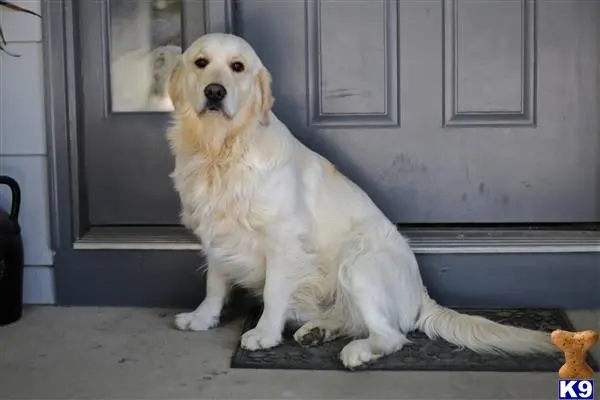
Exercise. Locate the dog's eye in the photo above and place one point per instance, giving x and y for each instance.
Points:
(237, 66)
(201, 63)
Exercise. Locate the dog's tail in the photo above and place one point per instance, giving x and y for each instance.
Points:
(479, 334)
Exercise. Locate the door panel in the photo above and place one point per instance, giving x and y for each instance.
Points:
(453, 111)
(489, 80)
(125, 112)
(358, 86)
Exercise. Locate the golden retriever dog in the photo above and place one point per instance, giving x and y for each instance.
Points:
(280, 220)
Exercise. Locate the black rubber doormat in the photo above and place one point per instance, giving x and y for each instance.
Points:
(422, 354)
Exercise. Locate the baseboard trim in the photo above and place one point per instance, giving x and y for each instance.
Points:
(160, 278)
(38, 285)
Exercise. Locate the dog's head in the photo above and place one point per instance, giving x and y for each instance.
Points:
(221, 76)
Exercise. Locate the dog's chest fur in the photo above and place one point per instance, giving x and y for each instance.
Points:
(220, 204)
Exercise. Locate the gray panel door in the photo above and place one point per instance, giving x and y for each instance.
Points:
(444, 111)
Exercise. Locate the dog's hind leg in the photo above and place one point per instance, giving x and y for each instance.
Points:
(383, 339)
(371, 282)
(317, 332)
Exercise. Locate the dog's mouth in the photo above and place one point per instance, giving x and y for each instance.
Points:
(214, 107)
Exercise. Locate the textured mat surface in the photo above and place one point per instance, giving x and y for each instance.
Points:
(422, 354)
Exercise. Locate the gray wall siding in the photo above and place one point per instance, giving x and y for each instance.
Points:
(23, 152)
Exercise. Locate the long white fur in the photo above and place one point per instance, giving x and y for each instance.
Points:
(279, 219)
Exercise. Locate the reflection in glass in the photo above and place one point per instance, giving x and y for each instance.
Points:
(145, 41)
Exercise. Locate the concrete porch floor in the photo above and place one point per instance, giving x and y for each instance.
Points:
(133, 353)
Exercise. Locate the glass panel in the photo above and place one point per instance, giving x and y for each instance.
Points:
(145, 40)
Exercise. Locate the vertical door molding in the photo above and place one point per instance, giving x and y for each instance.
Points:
(58, 26)
(220, 16)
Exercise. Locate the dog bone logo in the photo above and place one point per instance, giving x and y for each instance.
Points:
(575, 346)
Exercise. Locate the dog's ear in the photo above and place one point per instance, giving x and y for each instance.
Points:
(263, 83)
(177, 84)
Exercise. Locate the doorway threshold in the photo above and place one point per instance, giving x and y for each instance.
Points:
(481, 240)
(138, 238)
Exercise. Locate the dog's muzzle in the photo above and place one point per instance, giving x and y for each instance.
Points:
(215, 94)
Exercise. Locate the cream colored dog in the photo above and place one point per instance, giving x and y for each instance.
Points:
(281, 221)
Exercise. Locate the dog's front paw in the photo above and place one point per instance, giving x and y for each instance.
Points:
(258, 339)
(195, 321)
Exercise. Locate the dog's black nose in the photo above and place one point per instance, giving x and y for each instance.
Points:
(215, 92)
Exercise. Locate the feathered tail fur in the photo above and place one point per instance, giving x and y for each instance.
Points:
(479, 334)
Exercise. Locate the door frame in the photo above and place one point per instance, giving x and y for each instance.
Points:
(170, 278)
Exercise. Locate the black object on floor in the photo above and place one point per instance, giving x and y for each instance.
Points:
(11, 257)
(422, 354)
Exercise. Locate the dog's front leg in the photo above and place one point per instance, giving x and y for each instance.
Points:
(283, 260)
(207, 315)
